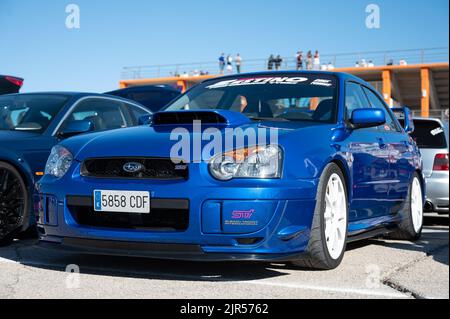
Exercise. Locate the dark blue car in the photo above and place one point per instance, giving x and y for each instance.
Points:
(30, 125)
(154, 97)
(281, 166)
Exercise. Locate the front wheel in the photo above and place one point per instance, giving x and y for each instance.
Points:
(328, 238)
(13, 202)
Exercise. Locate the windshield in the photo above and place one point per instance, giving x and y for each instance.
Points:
(305, 97)
(32, 113)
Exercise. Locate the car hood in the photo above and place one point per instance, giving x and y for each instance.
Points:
(148, 141)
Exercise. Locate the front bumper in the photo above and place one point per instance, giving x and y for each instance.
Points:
(278, 227)
(437, 196)
(158, 251)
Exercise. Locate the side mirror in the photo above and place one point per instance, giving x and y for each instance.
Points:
(145, 119)
(405, 117)
(76, 127)
(370, 117)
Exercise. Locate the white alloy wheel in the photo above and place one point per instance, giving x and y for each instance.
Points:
(335, 216)
(416, 205)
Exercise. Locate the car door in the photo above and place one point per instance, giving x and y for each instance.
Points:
(401, 166)
(369, 158)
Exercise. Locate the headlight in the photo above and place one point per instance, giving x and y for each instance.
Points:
(59, 161)
(252, 162)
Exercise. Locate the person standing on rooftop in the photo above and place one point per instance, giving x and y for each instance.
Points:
(278, 62)
(229, 64)
(270, 62)
(309, 60)
(300, 61)
(238, 60)
(317, 61)
(222, 63)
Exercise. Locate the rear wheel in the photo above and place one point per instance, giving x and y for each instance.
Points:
(327, 243)
(13, 202)
(411, 225)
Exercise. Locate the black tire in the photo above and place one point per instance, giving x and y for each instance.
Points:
(13, 203)
(406, 229)
(318, 256)
(30, 233)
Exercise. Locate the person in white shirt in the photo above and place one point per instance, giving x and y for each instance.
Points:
(370, 64)
(238, 60)
(316, 63)
(229, 64)
(403, 62)
(330, 66)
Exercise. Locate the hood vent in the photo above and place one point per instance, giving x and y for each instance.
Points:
(216, 117)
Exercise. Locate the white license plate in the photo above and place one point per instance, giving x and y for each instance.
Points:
(122, 201)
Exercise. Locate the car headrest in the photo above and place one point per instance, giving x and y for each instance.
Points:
(261, 108)
(325, 108)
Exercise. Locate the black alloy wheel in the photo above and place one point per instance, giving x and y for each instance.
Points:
(13, 202)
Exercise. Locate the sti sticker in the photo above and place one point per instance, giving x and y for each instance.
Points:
(322, 82)
(258, 81)
(437, 131)
(242, 218)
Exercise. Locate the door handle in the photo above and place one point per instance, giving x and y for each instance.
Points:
(382, 143)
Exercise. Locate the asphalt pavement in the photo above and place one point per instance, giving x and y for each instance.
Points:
(375, 268)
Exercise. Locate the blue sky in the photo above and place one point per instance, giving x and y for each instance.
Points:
(36, 44)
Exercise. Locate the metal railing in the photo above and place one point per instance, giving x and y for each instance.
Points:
(377, 58)
(443, 115)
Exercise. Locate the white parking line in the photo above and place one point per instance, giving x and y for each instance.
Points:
(355, 291)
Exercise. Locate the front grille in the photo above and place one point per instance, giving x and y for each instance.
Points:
(165, 215)
(152, 168)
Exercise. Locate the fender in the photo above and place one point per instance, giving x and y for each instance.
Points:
(20, 164)
(342, 162)
(24, 169)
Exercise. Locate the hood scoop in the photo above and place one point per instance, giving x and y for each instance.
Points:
(208, 117)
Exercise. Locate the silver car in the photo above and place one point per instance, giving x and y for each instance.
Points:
(431, 135)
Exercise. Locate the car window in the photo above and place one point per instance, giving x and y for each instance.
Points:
(154, 100)
(136, 113)
(29, 112)
(104, 114)
(376, 102)
(354, 98)
(429, 134)
(211, 97)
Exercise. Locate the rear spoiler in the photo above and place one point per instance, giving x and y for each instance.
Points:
(404, 113)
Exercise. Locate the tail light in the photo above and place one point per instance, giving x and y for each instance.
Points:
(15, 81)
(440, 162)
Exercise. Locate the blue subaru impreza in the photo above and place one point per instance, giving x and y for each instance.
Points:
(265, 166)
